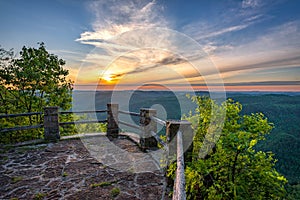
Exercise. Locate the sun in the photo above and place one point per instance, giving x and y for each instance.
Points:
(107, 77)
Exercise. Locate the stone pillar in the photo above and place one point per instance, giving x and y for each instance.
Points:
(51, 125)
(185, 127)
(147, 125)
(112, 120)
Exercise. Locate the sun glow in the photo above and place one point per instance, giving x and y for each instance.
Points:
(107, 77)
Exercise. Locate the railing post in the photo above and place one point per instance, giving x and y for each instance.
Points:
(51, 125)
(147, 126)
(112, 120)
(185, 127)
(179, 185)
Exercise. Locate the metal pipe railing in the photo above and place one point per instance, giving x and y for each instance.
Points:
(159, 139)
(82, 122)
(21, 128)
(129, 113)
(20, 114)
(82, 112)
(159, 121)
(130, 125)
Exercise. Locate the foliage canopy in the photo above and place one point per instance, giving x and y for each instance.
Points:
(232, 168)
(29, 83)
(33, 81)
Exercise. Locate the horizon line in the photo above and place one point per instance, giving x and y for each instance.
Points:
(206, 91)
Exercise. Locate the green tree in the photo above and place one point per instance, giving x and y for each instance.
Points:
(6, 99)
(36, 79)
(231, 168)
(30, 82)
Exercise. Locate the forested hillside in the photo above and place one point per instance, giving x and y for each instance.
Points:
(284, 140)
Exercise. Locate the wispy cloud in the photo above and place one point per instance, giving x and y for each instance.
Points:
(279, 46)
(215, 33)
(271, 56)
(120, 27)
(251, 3)
(271, 64)
(261, 83)
(234, 19)
(139, 65)
(117, 17)
(236, 45)
(223, 31)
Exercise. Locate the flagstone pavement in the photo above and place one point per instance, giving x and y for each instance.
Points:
(92, 167)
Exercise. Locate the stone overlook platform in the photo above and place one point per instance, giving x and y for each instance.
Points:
(91, 168)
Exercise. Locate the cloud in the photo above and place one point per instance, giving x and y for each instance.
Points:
(117, 17)
(235, 71)
(120, 27)
(255, 17)
(235, 19)
(174, 60)
(286, 62)
(212, 48)
(274, 47)
(255, 83)
(210, 33)
(223, 31)
(141, 67)
(251, 3)
(278, 46)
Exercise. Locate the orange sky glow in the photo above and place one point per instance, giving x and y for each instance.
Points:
(265, 88)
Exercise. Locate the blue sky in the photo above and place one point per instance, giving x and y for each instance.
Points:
(246, 40)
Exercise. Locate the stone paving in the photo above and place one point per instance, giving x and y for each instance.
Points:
(121, 155)
(91, 168)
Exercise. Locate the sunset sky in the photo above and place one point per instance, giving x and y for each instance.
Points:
(246, 45)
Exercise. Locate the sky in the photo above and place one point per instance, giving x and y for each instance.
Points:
(236, 45)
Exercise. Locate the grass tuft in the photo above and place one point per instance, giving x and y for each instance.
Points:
(102, 184)
(115, 192)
